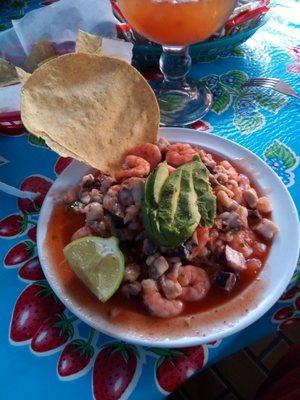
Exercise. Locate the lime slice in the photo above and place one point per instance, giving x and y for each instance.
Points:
(98, 262)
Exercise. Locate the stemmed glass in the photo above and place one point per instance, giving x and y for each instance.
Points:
(175, 24)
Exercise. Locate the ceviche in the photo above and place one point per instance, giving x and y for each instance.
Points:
(183, 222)
(165, 228)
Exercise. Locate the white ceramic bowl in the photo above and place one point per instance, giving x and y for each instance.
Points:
(214, 324)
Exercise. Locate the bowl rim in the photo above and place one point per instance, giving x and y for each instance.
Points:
(189, 136)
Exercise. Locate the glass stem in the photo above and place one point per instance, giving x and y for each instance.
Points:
(175, 64)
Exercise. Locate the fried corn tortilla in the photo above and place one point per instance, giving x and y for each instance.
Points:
(88, 43)
(93, 107)
(8, 73)
(22, 75)
(59, 149)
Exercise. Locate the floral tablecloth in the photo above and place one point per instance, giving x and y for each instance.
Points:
(78, 362)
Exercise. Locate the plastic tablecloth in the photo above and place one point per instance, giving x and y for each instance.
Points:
(71, 355)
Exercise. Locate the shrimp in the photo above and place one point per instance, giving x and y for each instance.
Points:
(163, 145)
(201, 239)
(171, 169)
(157, 304)
(81, 232)
(134, 166)
(149, 152)
(195, 283)
(171, 288)
(179, 154)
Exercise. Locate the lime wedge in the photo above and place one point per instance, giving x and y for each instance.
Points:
(98, 262)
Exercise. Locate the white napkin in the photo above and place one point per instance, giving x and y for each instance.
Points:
(60, 22)
(10, 98)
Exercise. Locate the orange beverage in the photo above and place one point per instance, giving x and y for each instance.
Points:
(176, 22)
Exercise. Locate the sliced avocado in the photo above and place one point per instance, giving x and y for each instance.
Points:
(206, 200)
(173, 206)
(180, 219)
(161, 175)
(169, 197)
(151, 226)
(154, 185)
(148, 198)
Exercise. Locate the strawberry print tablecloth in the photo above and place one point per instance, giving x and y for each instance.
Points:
(45, 351)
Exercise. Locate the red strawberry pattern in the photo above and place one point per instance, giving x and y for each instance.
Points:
(76, 357)
(289, 294)
(19, 253)
(290, 314)
(34, 305)
(173, 367)
(61, 164)
(201, 126)
(52, 333)
(289, 322)
(32, 270)
(283, 313)
(32, 234)
(11, 124)
(114, 369)
(13, 225)
(36, 184)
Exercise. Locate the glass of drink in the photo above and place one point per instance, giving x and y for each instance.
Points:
(175, 24)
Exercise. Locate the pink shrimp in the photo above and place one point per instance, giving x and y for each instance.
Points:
(133, 166)
(158, 305)
(195, 283)
(201, 239)
(179, 154)
(149, 152)
(171, 169)
(81, 232)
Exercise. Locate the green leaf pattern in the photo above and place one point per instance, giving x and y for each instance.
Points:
(248, 124)
(236, 52)
(170, 102)
(234, 80)
(272, 103)
(36, 141)
(282, 152)
(222, 99)
(228, 89)
(282, 160)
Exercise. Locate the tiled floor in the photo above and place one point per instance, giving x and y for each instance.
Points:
(229, 378)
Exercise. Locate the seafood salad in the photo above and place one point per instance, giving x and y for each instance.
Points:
(185, 223)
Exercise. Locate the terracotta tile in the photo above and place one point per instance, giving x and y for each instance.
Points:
(237, 369)
(258, 347)
(292, 332)
(207, 384)
(275, 354)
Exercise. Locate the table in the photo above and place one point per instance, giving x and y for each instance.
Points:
(264, 122)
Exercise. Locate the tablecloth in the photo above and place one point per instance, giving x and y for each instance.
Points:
(263, 121)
